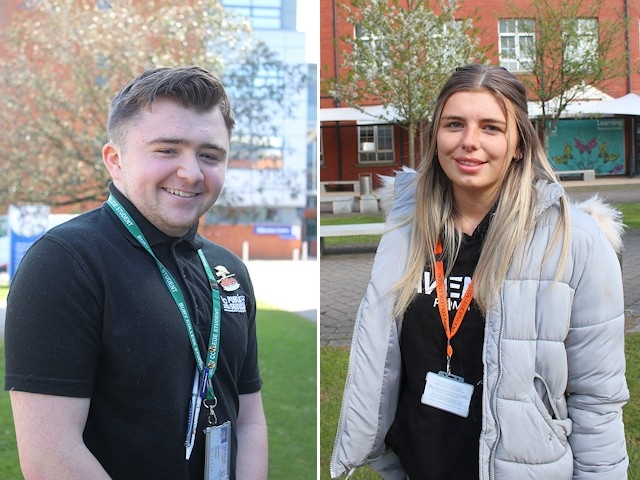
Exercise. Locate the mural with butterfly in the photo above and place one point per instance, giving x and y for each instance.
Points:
(584, 144)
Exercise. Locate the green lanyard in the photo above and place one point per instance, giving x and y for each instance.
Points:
(208, 368)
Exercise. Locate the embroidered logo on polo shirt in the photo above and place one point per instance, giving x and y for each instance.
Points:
(234, 303)
(226, 280)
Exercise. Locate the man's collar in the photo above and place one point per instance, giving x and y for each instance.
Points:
(153, 235)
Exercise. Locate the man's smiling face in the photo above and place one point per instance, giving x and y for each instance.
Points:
(172, 165)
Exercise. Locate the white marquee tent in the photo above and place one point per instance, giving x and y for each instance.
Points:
(368, 114)
(583, 102)
(628, 104)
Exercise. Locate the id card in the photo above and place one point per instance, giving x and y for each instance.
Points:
(217, 452)
(447, 392)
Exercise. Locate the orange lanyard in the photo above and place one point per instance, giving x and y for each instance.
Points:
(443, 305)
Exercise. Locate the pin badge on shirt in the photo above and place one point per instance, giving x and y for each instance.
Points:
(226, 280)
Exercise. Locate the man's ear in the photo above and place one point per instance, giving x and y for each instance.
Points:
(112, 158)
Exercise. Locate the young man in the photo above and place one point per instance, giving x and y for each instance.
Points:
(127, 334)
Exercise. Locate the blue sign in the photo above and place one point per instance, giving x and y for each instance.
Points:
(287, 232)
(26, 224)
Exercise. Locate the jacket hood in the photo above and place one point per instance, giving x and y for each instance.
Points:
(608, 219)
(386, 191)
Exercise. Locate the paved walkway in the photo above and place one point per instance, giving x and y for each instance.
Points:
(344, 276)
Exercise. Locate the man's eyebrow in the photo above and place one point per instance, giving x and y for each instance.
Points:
(183, 141)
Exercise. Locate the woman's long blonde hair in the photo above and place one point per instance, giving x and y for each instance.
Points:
(514, 218)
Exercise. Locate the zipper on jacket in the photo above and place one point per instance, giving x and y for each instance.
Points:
(494, 399)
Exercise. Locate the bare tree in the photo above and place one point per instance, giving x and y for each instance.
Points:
(400, 57)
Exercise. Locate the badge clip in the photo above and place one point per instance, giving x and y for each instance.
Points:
(212, 418)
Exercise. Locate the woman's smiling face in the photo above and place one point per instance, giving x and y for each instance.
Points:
(475, 143)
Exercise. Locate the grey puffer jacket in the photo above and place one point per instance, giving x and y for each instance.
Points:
(554, 366)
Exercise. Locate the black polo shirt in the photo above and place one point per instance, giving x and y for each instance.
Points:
(433, 444)
(89, 315)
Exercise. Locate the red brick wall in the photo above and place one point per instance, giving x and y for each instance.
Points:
(340, 153)
(486, 14)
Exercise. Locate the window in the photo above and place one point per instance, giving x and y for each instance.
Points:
(321, 148)
(375, 144)
(447, 40)
(233, 215)
(264, 14)
(581, 41)
(517, 42)
(369, 39)
(372, 46)
(256, 151)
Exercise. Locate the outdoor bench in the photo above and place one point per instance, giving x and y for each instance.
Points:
(340, 203)
(587, 175)
(337, 185)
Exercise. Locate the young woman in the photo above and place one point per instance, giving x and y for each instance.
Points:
(490, 340)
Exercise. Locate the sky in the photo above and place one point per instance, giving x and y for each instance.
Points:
(308, 21)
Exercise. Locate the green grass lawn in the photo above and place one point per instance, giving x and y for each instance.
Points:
(9, 467)
(632, 409)
(288, 365)
(630, 214)
(288, 359)
(333, 370)
(352, 239)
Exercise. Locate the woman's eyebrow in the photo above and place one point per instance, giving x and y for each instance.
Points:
(482, 120)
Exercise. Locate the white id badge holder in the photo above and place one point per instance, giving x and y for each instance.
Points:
(447, 392)
(217, 451)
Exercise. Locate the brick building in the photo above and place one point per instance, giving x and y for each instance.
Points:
(353, 145)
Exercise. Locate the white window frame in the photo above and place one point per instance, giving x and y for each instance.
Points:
(375, 42)
(523, 32)
(367, 37)
(263, 14)
(372, 149)
(453, 28)
(586, 30)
